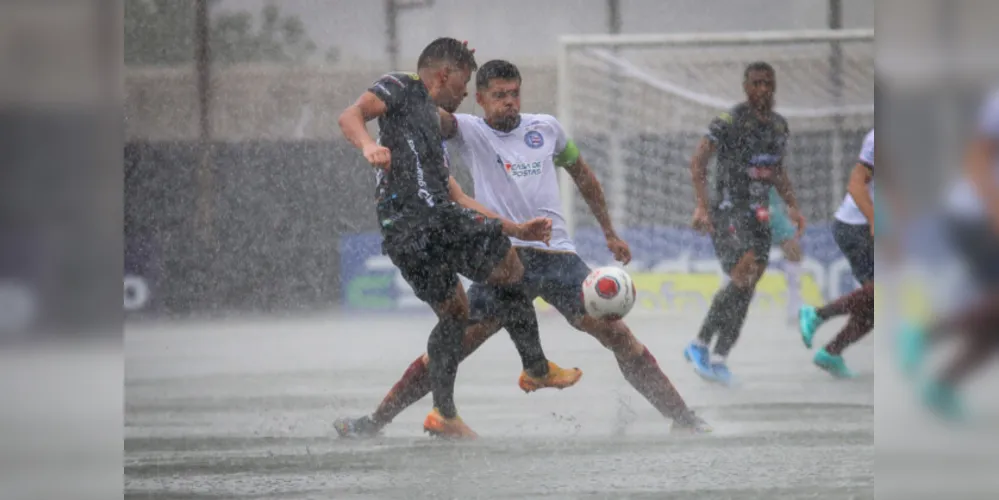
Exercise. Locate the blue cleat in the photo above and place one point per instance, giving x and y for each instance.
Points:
(698, 356)
(911, 349)
(942, 399)
(834, 365)
(722, 374)
(808, 323)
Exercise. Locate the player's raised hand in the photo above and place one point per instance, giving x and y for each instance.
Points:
(536, 229)
(620, 249)
(702, 220)
(377, 155)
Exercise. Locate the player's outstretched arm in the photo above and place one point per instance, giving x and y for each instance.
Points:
(860, 177)
(589, 186)
(531, 231)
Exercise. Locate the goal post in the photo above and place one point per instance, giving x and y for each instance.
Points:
(638, 104)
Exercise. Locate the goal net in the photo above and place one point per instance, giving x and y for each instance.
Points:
(637, 105)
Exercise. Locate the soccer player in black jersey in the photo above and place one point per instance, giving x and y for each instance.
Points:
(750, 140)
(427, 235)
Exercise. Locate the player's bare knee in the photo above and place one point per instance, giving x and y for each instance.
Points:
(613, 335)
(455, 308)
(477, 334)
(747, 272)
(509, 271)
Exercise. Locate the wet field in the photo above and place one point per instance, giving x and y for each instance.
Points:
(244, 410)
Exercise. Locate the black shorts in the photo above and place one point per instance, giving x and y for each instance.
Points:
(736, 232)
(978, 245)
(433, 248)
(857, 245)
(556, 277)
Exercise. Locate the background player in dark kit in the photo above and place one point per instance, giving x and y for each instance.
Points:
(750, 141)
(429, 237)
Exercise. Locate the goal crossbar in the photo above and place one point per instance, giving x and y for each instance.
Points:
(710, 39)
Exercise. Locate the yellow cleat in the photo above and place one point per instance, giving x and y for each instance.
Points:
(454, 428)
(557, 377)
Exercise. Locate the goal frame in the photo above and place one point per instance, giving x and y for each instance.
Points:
(616, 179)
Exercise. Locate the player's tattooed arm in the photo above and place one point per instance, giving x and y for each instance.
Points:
(449, 124)
(592, 192)
(510, 228)
(860, 178)
(589, 186)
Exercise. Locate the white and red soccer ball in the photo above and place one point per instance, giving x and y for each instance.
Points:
(608, 293)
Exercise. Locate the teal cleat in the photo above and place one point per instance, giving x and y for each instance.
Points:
(834, 365)
(911, 348)
(808, 323)
(942, 399)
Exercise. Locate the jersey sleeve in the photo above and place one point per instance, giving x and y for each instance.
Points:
(988, 121)
(391, 88)
(867, 151)
(720, 127)
(566, 152)
(464, 124)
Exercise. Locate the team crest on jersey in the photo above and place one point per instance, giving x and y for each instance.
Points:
(534, 139)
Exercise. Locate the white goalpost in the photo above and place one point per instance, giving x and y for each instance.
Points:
(638, 104)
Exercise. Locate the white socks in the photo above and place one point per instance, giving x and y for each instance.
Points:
(792, 273)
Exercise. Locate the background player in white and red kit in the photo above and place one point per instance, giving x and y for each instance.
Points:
(853, 231)
(514, 158)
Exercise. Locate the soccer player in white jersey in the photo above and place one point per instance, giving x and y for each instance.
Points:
(853, 231)
(514, 159)
(973, 219)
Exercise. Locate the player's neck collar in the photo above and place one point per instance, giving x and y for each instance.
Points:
(756, 114)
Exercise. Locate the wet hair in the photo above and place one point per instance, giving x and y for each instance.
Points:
(447, 50)
(496, 69)
(758, 66)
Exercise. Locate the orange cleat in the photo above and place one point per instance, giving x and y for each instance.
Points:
(453, 428)
(557, 377)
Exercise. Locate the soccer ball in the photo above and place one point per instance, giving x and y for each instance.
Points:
(608, 293)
